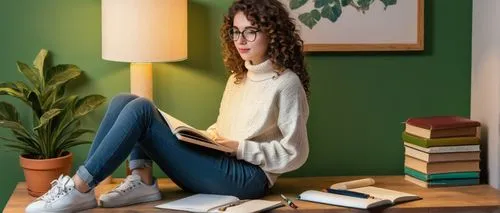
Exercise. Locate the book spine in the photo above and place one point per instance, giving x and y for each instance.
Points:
(416, 174)
(447, 149)
(441, 157)
(439, 142)
(454, 175)
(444, 149)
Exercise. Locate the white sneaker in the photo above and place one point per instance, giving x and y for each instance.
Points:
(131, 191)
(63, 197)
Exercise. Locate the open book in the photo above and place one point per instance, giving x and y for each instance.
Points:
(220, 203)
(190, 134)
(381, 197)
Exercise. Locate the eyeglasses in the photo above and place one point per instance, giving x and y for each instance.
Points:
(249, 34)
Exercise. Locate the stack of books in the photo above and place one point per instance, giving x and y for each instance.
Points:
(441, 151)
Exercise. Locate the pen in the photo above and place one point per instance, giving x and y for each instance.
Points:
(348, 193)
(289, 202)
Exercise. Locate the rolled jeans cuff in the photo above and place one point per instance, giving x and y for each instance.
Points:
(85, 175)
(139, 163)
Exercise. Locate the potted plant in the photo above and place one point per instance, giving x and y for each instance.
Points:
(43, 144)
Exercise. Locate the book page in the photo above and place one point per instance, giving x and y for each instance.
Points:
(199, 202)
(393, 196)
(174, 123)
(341, 200)
(195, 133)
(189, 134)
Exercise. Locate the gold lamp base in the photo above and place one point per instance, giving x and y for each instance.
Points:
(141, 79)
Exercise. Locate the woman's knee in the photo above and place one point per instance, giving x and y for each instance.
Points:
(123, 98)
(141, 104)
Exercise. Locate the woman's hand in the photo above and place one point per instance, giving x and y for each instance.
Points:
(231, 144)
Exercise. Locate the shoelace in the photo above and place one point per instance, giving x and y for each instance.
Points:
(127, 185)
(58, 188)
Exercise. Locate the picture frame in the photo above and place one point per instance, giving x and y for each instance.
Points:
(359, 25)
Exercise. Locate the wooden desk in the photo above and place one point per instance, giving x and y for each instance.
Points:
(479, 198)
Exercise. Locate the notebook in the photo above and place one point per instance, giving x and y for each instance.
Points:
(380, 196)
(220, 203)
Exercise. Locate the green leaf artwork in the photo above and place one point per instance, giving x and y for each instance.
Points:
(294, 4)
(332, 9)
(332, 13)
(310, 19)
(345, 2)
(322, 3)
(363, 5)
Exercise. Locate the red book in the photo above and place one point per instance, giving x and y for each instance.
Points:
(441, 126)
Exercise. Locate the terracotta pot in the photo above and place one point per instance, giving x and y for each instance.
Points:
(39, 173)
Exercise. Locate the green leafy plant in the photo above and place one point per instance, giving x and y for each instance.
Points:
(331, 9)
(56, 116)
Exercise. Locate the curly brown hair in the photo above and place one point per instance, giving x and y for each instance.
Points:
(285, 48)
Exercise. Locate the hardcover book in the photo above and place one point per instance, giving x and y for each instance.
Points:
(192, 135)
(441, 157)
(430, 142)
(441, 167)
(445, 149)
(441, 126)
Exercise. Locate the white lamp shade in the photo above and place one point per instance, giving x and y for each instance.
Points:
(144, 30)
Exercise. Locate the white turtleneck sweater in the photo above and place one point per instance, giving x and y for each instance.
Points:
(267, 115)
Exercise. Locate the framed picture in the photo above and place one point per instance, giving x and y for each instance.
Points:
(359, 25)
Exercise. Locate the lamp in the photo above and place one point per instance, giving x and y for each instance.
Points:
(142, 32)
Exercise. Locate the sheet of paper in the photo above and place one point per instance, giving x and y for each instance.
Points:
(198, 202)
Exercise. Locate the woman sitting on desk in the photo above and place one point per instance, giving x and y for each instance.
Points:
(262, 118)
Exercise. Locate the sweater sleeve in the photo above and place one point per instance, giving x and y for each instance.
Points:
(291, 152)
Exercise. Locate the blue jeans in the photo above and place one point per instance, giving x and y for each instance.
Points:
(133, 125)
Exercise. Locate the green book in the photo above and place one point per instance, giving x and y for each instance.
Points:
(441, 176)
(425, 142)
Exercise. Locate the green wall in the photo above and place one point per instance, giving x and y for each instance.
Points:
(358, 99)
